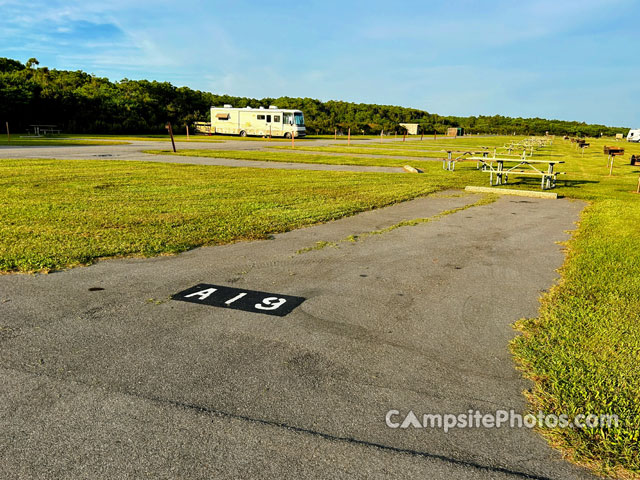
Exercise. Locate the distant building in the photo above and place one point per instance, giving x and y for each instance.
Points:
(455, 132)
(412, 128)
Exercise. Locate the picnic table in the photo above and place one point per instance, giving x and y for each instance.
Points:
(511, 147)
(501, 168)
(449, 163)
(39, 130)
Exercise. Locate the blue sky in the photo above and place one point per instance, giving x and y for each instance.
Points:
(572, 60)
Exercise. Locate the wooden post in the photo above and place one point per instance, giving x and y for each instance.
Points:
(349, 137)
(611, 165)
(404, 136)
(638, 189)
(421, 135)
(335, 133)
(173, 143)
(435, 135)
(187, 131)
(293, 139)
(381, 134)
(8, 134)
(396, 137)
(269, 132)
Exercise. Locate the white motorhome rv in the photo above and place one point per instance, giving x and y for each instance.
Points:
(633, 135)
(272, 121)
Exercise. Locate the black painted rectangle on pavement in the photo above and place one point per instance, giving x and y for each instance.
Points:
(240, 299)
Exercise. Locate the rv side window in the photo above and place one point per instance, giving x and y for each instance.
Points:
(276, 118)
(260, 117)
(288, 117)
(268, 118)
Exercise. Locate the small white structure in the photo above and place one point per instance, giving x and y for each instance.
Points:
(412, 128)
(272, 121)
(633, 135)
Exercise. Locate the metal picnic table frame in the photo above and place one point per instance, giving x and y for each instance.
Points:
(548, 177)
(40, 130)
(449, 163)
(523, 164)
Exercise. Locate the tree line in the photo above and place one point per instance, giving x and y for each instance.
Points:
(78, 102)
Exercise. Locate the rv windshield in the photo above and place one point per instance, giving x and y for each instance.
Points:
(299, 118)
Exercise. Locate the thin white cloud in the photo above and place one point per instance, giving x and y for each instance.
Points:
(466, 57)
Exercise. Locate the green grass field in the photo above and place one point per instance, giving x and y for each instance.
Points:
(165, 137)
(195, 138)
(218, 137)
(582, 353)
(411, 148)
(60, 213)
(293, 156)
(340, 138)
(151, 138)
(370, 150)
(21, 141)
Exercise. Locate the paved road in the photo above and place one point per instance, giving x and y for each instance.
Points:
(134, 151)
(124, 383)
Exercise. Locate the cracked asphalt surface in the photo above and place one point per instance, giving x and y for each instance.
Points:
(122, 382)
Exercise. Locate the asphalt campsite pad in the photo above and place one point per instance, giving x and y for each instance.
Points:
(108, 377)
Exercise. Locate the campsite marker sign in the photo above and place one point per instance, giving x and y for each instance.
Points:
(240, 299)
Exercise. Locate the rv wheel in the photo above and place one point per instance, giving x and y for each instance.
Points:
(243, 133)
(287, 135)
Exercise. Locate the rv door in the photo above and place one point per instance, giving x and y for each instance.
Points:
(276, 124)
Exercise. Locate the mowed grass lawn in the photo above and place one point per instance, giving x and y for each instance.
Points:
(176, 137)
(293, 156)
(60, 213)
(23, 141)
(583, 351)
(428, 148)
(415, 151)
